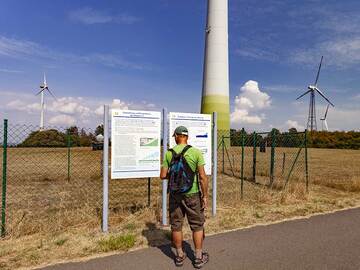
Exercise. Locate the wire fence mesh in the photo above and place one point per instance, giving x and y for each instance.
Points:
(54, 176)
(270, 159)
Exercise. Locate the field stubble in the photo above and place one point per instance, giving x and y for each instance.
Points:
(52, 218)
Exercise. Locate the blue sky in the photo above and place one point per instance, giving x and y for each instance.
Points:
(149, 54)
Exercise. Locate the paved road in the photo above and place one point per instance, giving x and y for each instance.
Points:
(321, 242)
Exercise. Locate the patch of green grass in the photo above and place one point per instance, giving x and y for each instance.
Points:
(259, 214)
(120, 242)
(168, 235)
(60, 242)
(130, 227)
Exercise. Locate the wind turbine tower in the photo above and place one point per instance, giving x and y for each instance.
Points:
(44, 87)
(215, 88)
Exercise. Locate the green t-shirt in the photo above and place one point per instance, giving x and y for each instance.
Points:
(193, 157)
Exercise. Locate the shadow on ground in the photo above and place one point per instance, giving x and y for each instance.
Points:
(161, 239)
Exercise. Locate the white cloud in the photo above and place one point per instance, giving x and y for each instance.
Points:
(70, 105)
(20, 105)
(88, 15)
(256, 53)
(115, 104)
(340, 52)
(62, 119)
(247, 104)
(5, 70)
(294, 124)
(80, 111)
(21, 49)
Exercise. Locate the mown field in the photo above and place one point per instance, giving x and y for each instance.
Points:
(54, 206)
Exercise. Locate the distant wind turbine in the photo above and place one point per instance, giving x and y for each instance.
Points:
(312, 89)
(44, 87)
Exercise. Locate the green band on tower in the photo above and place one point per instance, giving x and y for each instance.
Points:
(219, 104)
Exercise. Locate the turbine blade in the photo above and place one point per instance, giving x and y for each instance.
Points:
(318, 73)
(38, 93)
(327, 108)
(304, 94)
(321, 94)
(44, 79)
(51, 93)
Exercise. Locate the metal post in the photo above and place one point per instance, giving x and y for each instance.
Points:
(292, 167)
(283, 163)
(242, 161)
(214, 165)
(223, 154)
(105, 216)
(254, 157)
(272, 161)
(306, 163)
(149, 191)
(165, 181)
(68, 153)
(4, 178)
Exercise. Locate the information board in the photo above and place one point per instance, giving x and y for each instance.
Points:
(199, 127)
(135, 144)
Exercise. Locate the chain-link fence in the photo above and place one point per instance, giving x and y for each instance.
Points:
(54, 181)
(53, 177)
(270, 159)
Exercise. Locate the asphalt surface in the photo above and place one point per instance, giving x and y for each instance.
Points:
(329, 241)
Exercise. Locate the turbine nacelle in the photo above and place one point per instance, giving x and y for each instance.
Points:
(312, 87)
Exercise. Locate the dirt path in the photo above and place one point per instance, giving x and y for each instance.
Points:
(330, 241)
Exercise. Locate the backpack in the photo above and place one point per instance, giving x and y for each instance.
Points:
(181, 177)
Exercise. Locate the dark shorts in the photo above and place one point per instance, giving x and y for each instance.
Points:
(189, 205)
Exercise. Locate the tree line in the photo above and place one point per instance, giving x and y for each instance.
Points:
(293, 138)
(72, 136)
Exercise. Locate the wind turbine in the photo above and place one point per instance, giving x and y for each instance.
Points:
(312, 89)
(43, 87)
(324, 123)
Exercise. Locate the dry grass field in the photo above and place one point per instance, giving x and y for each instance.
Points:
(52, 218)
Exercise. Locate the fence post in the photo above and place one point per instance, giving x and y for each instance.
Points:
(306, 163)
(149, 191)
(254, 157)
(242, 161)
(272, 161)
(165, 181)
(223, 153)
(283, 163)
(4, 178)
(105, 216)
(214, 165)
(68, 153)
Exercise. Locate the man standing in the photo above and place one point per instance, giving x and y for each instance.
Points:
(188, 200)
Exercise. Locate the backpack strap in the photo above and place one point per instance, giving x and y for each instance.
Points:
(185, 149)
(173, 154)
(182, 153)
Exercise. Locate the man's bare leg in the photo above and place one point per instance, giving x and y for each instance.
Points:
(198, 238)
(177, 238)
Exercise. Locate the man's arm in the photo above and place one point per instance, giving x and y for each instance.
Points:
(163, 173)
(204, 184)
(165, 166)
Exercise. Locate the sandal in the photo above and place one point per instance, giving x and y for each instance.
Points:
(179, 261)
(199, 263)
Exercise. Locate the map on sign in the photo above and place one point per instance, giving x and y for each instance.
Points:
(199, 127)
(135, 144)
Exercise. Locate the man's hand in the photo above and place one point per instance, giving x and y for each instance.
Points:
(204, 202)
